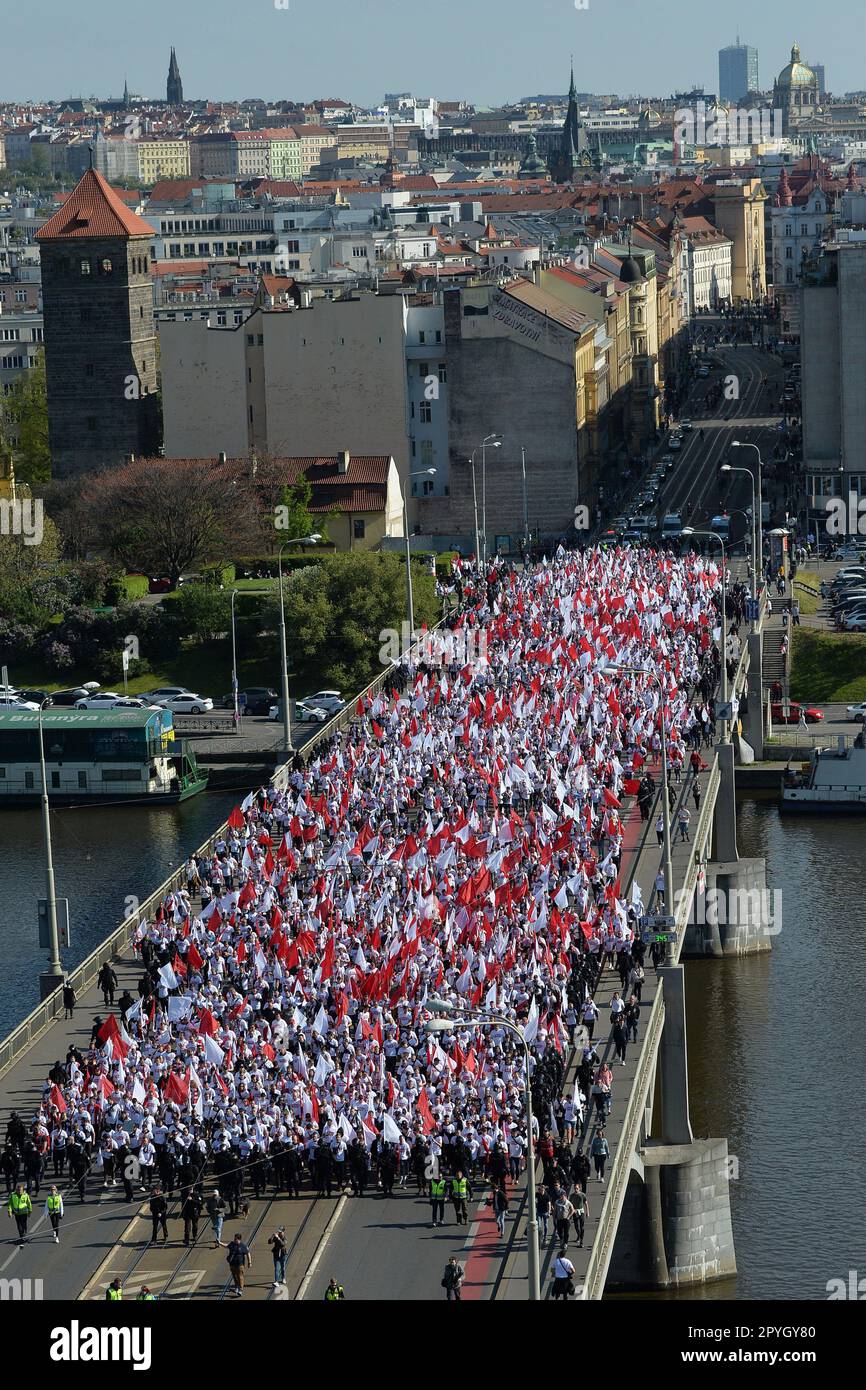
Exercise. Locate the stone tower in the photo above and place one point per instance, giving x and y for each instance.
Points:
(573, 144)
(174, 86)
(100, 341)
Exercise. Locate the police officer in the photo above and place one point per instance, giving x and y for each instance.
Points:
(20, 1206)
(459, 1195)
(437, 1200)
(145, 1296)
(54, 1211)
(114, 1292)
(334, 1291)
(190, 1211)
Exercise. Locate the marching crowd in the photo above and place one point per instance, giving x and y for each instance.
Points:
(460, 839)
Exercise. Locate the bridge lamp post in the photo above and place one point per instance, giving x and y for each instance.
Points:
(53, 976)
(284, 668)
(617, 670)
(452, 1017)
(714, 535)
(410, 601)
(729, 468)
(481, 542)
(744, 444)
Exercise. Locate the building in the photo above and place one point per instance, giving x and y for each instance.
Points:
(796, 93)
(799, 222)
(359, 497)
(572, 153)
(162, 159)
(708, 263)
(100, 343)
(833, 363)
(820, 73)
(738, 71)
(174, 86)
(738, 211)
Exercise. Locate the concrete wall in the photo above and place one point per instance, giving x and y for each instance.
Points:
(736, 915)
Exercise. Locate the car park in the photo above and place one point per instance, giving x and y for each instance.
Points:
(789, 713)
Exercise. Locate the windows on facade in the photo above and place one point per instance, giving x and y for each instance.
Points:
(359, 528)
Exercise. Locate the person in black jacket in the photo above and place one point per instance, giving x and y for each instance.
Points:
(190, 1211)
(158, 1213)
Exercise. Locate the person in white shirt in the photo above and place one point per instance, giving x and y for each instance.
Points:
(563, 1277)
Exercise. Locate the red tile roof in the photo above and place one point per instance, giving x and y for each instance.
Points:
(93, 209)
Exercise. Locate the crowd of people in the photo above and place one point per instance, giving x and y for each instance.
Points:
(461, 839)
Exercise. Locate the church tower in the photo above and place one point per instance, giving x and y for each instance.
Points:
(174, 86)
(100, 340)
(573, 144)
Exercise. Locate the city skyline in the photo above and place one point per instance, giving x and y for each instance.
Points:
(360, 67)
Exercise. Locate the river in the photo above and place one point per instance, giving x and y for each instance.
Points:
(776, 1043)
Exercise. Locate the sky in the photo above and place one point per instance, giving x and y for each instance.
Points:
(486, 51)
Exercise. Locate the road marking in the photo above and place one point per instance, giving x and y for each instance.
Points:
(320, 1248)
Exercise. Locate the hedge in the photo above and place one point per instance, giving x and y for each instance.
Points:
(135, 585)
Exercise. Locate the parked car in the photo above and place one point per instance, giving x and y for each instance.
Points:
(159, 586)
(133, 702)
(813, 716)
(855, 622)
(39, 697)
(11, 702)
(71, 696)
(165, 692)
(188, 703)
(99, 699)
(857, 712)
(331, 700)
(256, 699)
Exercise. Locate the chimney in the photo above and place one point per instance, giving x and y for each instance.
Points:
(343, 462)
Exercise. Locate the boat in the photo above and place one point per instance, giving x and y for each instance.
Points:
(834, 783)
(96, 757)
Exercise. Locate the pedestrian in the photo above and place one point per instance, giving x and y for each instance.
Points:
(107, 982)
(216, 1210)
(460, 1194)
(500, 1208)
(452, 1279)
(696, 794)
(599, 1151)
(437, 1200)
(563, 1277)
(190, 1211)
(239, 1260)
(54, 1211)
(580, 1205)
(660, 829)
(684, 816)
(158, 1213)
(114, 1292)
(20, 1206)
(562, 1214)
(542, 1212)
(280, 1253)
(334, 1292)
(69, 1000)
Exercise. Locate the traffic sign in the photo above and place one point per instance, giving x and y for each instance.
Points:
(753, 610)
(668, 937)
(658, 922)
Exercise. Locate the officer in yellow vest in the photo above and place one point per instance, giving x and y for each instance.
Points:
(114, 1292)
(437, 1200)
(54, 1211)
(459, 1196)
(145, 1296)
(334, 1291)
(20, 1206)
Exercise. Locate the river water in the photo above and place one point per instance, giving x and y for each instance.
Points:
(777, 1054)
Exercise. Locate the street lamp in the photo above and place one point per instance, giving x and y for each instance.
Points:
(729, 468)
(615, 669)
(714, 535)
(745, 444)
(53, 976)
(453, 1017)
(497, 444)
(410, 604)
(284, 668)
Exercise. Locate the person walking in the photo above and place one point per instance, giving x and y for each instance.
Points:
(542, 1212)
(158, 1213)
(660, 829)
(216, 1210)
(452, 1279)
(239, 1260)
(599, 1151)
(279, 1253)
(114, 1292)
(580, 1204)
(684, 816)
(437, 1201)
(107, 981)
(20, 1206)
(562, 1213)
(69, 1000)
(191, 1211)
(54, 1211)
(563, 1277)
(500, 1209)
(590, 1014)
(460, 1194)
(334, 1292)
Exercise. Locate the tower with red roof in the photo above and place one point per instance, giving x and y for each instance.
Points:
(100, 340)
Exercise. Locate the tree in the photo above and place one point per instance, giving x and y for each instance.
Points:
(165, 516)
(201, 611)
(31, 585)
(27, 429)
(337, 610)
(292, 517)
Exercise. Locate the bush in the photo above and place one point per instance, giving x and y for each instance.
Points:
(134, 585)
(218, 575)
(253, 566)
(201, 611)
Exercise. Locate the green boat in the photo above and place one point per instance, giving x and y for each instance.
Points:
(93, 757)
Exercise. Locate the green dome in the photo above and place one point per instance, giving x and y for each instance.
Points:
(796, 74)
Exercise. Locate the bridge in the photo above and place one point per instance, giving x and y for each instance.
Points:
(661, 1219)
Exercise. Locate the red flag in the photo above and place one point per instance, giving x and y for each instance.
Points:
(194, 958)
(236, 819)
(428, 1124)
(55, 1098)
(207, 1023)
